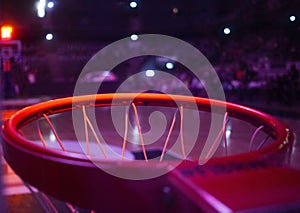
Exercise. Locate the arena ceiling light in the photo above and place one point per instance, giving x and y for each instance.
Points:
(169, 65)
(133, 4)
(50, 4)
(150, 73)
(292, 18)
(40, 6)
(134, 37)
(226, 30)
(49, 36)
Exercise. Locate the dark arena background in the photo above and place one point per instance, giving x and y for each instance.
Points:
(254, 48)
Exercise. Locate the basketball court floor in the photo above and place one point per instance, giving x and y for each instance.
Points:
(18, 197)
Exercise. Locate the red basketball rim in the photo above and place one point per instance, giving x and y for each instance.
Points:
(283, 135)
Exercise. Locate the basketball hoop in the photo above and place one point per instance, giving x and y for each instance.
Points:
(40, 149)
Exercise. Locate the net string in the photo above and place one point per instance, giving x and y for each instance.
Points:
(125, 132)
(54, 132)
(181, 133)
(87, 120)
(140, 131)
(40, 133)
(142, 139)
(219, 136)
(253, 137)
(87, 123)
(86, 131)
(263, 142)
(168, 137)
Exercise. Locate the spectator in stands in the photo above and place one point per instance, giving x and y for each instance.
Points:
(293, 79)
(6, 72)
(294, 76)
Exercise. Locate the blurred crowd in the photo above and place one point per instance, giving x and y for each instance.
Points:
(258, 66)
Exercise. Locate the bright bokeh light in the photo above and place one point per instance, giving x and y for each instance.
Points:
(52, 137)
(169, 65)
(49, 36)
(150, 73)
(133, 4)
(134, 37)
(6, 32)
(228, 133)
(175, 10)
(40, 6)
(226, 30)
(292, 18)
(41, 13)
(50, 4)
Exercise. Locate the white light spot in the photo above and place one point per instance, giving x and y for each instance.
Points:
(40, 6)
(133, 4)
(52, 137)
(226, 30)
(150, 73)
(41, 13)
(175, 10)
(169, 65)
(228, 133)
(50, 4)
(49, 36)
(134, 37)
(292, 18)
(106, 73)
